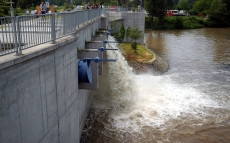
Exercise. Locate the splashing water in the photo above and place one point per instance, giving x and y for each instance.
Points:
(148, 108)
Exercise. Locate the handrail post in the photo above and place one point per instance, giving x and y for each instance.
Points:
(75, 20)
(64, 28)
(15, 35)
(12, 11)
(0, 48)
(18, 41)
(53, 32)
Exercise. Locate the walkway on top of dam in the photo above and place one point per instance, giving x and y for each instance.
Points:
(22, 32)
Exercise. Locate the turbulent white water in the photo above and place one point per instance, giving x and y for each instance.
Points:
(135, 103)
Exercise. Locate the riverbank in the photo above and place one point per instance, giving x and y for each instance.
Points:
(143, 60)
(177, 22)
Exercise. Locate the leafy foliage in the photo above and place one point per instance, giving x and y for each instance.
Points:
(128, 31)
(135, 34)
(117, 30)
(190, 22)
(227, 2)
(156, 8)
(218, 14)
(134, 46)
(18, 11)
(24, 4)
(122, 32)
(202, 6)
(183, 5)
(68, 6)
(178, 23)
(77, 2)
(4, 8)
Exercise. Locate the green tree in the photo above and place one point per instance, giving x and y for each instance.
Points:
(24, 4)
(176, 1)
(170, 4)
(227, 2)
(68, 6)
(116, 31)
(218, 14)
(156, 8)
(113, 2)
(128, 31)
(1, 11)
(135, 34)
(202, 6)
(183, 5)
(122, 32)
(60, 2)
(123, 2)
(4, 8)
(77, 2)
(191, 2)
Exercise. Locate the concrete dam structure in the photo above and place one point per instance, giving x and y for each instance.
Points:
(41, 98)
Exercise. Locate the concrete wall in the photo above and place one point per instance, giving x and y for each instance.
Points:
(39, 96)
(132, 19)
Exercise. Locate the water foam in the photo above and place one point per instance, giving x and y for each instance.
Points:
(144, 100)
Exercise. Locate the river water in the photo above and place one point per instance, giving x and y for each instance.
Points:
(188, 104)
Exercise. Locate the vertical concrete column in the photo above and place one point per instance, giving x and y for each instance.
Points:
(103, 23)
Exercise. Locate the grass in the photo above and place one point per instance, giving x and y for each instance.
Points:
(141, 54)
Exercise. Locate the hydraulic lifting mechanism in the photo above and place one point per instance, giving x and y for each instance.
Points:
(84, 68)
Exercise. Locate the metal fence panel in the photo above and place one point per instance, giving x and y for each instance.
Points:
(7, 37)
(34, 30)
(22, 32)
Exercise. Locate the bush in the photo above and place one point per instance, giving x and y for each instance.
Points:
(179, 22)
(147, 22)
(19, 11)
(216, 23)
(134, 46)
(188, 22)
(193, 12)
(68, 6)
(122, 32)
(169, 23)
(192, 22)
(117, 33)
(209, 23)
(32, 8)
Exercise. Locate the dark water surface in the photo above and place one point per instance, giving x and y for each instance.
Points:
(188, 104)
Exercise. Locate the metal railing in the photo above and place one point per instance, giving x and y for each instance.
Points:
(22, 32)
(124, 9)
(7, 35)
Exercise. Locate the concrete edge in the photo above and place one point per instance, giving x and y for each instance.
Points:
(154, 55)
(93, 42)
(12, 59)
(82, 26)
